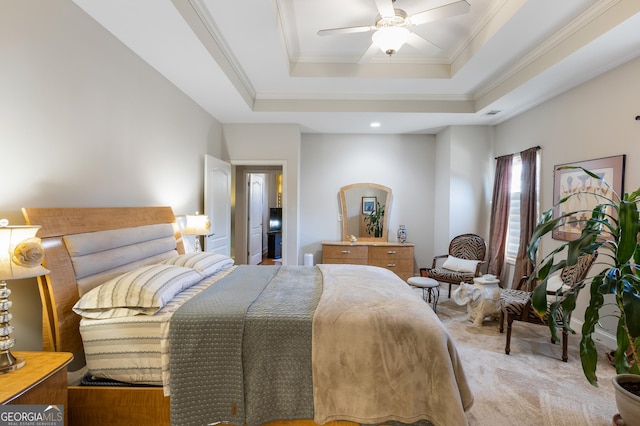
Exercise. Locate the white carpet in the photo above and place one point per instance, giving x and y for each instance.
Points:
(531, 386)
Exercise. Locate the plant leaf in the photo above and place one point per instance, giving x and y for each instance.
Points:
(551, 319)
(631, 303)
(589, 359)
(628, 225)
(609, 281)
(539, 299)
(622, 339)
(588, 352)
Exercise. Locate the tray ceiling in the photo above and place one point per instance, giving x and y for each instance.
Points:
(255, 61)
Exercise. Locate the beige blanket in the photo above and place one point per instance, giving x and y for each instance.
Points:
(380, 353)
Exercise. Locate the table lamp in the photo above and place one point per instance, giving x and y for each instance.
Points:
(198, 225)
(21, 256)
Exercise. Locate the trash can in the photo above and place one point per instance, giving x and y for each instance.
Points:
(308, 259)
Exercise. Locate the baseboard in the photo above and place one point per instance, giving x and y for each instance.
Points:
(601, 336)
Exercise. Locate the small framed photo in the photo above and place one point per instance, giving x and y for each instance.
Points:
(369, 205)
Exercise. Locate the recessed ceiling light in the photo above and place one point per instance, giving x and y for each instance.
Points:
(375, 124)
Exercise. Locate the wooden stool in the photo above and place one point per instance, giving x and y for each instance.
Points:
(430, 289)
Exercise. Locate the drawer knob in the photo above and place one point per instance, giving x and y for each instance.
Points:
(391, 252)
(391, 265)
(346, 251)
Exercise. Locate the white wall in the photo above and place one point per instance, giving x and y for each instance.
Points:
(472, 163)
(441, 235)
(404, 163)
(594, 120)
(85, 122)
(464, 183)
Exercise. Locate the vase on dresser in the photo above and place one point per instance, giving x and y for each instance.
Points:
(402, 234)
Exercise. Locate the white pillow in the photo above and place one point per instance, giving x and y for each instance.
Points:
(205, 263)
(460, 265)
(554, 282)
(142, 291)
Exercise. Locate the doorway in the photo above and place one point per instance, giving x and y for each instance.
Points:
(250, 228)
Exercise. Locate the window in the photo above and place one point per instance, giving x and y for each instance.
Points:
(513, 230)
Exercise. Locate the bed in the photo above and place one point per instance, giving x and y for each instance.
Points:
(286, 345)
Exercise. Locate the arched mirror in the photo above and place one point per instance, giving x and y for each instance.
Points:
(365, 211)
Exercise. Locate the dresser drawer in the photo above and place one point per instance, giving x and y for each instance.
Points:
(398, 265)
(393, 252)
(344, 253)
(345, 261)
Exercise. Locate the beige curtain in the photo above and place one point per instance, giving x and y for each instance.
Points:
(528, 214)
(500, 215)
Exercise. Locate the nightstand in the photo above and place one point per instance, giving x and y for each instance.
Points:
(42, 381)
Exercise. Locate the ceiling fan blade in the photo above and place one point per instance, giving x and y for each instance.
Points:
(372, 50)
(385, 8)
(345, 30)
(452, 9)
(420, 42)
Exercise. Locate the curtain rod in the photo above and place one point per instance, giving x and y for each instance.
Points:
(537, 148)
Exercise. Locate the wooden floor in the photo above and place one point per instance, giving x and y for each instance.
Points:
(269, 261)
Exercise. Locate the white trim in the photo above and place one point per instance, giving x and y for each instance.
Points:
(600, 335)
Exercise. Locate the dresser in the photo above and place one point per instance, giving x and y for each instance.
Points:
(397, 257)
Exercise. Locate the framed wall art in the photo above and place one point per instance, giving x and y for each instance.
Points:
(589, 191)
(368, 204)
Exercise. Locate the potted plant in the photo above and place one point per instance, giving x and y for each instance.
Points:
(612, 229)
(374, 221)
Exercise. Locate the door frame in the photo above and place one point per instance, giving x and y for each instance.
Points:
(241, 240)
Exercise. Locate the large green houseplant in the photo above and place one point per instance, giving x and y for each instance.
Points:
(611, 228)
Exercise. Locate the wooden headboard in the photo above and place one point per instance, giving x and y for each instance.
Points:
(58, 289)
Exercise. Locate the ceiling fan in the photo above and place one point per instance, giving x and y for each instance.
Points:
(391, 27)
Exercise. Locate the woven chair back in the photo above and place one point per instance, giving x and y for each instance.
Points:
(468, 246)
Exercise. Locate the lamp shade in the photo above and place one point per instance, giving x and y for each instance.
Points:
(21, 253)
(390, 39)
(197, 224)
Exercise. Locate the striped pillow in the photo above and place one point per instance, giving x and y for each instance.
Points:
(142, 291)
(206, 263)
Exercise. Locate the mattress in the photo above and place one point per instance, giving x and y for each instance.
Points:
(135, 349)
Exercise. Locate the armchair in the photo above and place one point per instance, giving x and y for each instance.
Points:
(516, 303)
(461, 264)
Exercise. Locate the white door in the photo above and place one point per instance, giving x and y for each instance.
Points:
(256, 185)
(217, 204)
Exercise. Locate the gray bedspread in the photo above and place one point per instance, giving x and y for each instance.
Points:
(328, 342)
(237, 367)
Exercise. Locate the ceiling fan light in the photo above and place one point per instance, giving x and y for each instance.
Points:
(390, 39)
